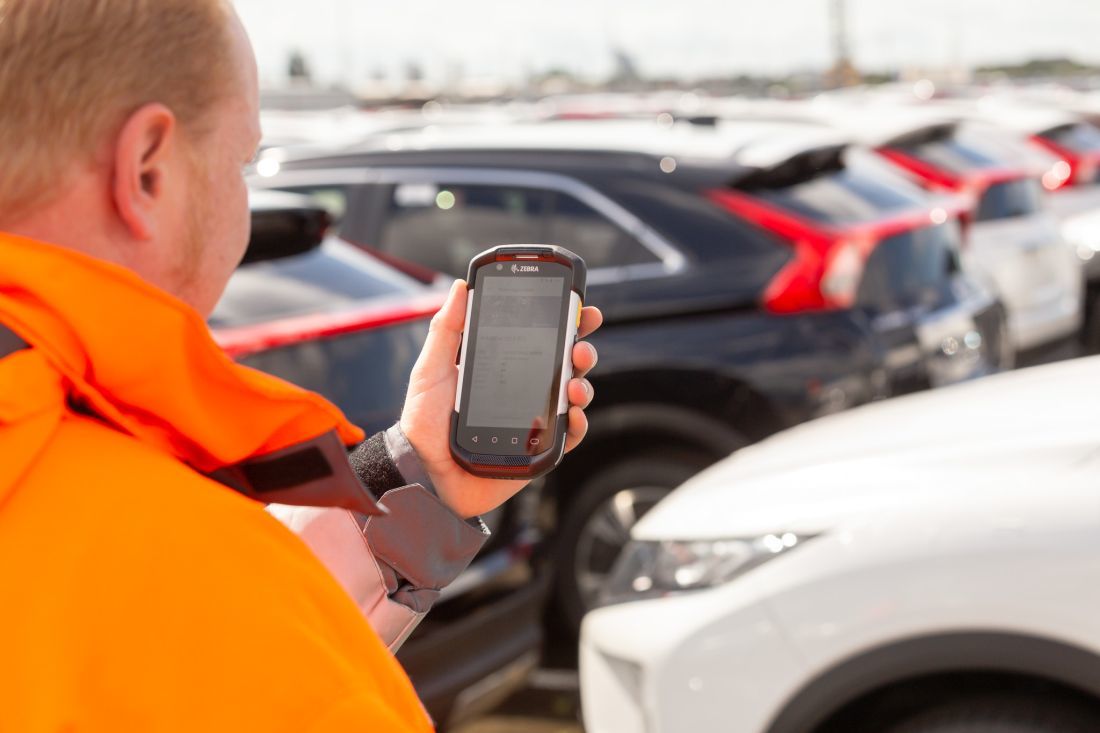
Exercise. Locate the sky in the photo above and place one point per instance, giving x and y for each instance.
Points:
(347, 40)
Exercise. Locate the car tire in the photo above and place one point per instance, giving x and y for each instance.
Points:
(1004, 713)
(600, 515)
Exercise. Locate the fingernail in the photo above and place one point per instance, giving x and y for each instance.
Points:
(586, 387)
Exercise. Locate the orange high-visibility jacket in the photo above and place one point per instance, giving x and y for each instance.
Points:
(136, 592)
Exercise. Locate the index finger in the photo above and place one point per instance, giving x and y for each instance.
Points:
(591, 319)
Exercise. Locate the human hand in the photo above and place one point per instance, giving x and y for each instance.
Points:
(426, 418)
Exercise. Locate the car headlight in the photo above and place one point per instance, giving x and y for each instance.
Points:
(648, 569)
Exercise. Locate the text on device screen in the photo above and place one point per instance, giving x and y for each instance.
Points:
(515, 352)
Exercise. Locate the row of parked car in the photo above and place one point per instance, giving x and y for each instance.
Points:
(758, 266)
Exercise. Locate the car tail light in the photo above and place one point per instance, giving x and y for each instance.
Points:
(1058, 176)
(829, 262)
(971, 185)
(244, 340)
(843, 272)
(972, 182)
(1080, 168)
(931, 176)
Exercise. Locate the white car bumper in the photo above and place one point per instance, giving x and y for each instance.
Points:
(663, 666)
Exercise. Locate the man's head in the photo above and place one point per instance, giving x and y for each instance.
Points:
(126, 125)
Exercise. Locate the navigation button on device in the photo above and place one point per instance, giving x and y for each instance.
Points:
(494, 440)
(535, 441)
(515, 441)
(474, 438)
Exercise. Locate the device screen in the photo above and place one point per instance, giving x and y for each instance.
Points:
(514, 358)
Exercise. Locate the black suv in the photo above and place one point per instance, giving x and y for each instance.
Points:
(322, 314)
(751, 278)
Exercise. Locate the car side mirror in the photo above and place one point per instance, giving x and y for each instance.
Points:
(284, 225)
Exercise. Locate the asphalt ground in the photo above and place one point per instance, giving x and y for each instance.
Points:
(549, 704)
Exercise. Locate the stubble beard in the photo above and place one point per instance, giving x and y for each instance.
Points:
(195, 238)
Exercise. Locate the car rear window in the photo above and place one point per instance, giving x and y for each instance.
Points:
(953, 155)
(910, 270)
(863, 189)
(363, 373)
(1081, 137)
(330, 277)
(969, 150)
(692, 223)
(1008, 199)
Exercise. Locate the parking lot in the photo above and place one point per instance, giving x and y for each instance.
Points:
(856, 298)
(394, 360)
(532, 711)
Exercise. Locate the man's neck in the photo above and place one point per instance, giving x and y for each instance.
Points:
(75, 221)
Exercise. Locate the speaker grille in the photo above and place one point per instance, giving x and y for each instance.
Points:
(487, 460)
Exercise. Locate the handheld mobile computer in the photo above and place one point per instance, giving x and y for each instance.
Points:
(523, 310)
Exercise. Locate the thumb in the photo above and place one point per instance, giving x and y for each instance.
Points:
(445, 332)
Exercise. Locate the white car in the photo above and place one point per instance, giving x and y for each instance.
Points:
(1072, 143)
(930, 564)
(1015, 243)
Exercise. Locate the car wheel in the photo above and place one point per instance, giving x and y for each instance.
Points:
(597, 523)
(1004, 713)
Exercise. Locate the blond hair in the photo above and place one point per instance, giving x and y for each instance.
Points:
(72, 71)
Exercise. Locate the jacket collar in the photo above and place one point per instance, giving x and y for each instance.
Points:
(145, 362)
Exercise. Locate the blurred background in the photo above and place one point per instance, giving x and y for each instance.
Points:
(847, 255)
(483, 49)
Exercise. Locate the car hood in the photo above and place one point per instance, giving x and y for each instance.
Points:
(965, 445)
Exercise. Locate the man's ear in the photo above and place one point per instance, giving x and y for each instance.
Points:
(142, 155)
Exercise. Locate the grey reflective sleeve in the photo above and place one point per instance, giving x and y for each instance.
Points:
(407, 461)
(421, 546)
(393, 568)
(392, 565)
(405, 458)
